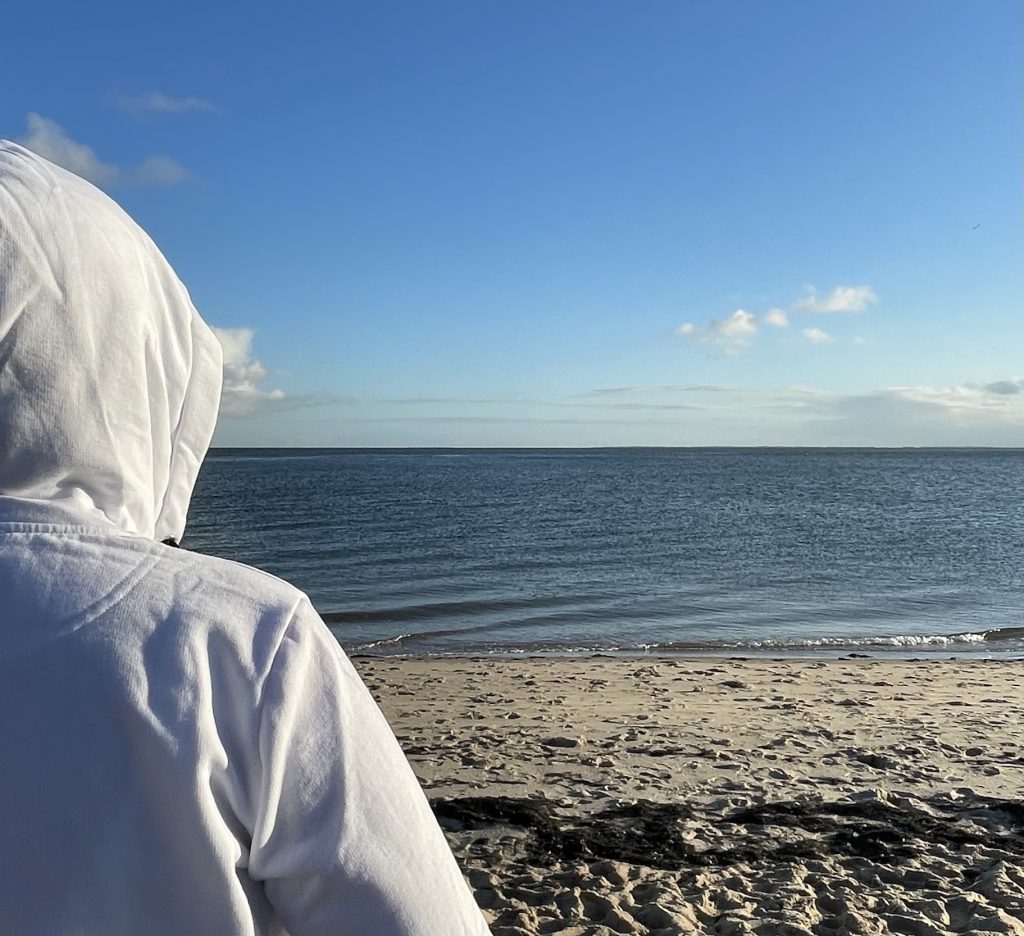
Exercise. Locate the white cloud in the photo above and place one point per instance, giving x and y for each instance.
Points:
(962, 397)
(736, 332)
(49, 140)
(840, 299)
(156, 102)
(242, 394)
(740, 326)
(235, 344)
(730, 334)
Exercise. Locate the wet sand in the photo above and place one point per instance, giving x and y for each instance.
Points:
(603, 796)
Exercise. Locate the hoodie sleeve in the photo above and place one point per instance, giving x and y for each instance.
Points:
(344, 841)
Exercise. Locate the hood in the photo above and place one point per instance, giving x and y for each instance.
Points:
(109, 379)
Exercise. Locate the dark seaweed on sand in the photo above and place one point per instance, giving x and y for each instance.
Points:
(649, 833)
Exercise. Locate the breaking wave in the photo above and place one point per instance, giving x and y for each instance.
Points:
(1002, 640)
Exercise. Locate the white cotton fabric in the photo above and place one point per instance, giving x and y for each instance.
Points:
(185, 749)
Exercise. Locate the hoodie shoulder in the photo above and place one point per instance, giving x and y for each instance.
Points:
(239, 605)
(230, 579)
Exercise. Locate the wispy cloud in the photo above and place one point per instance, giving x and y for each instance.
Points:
(662, 388)
(919, 415)
(840, 299)
(602, 402)
(155, 102)
(980, 413)
(978, 398)
(720, 399)
(816, 335)
(49, 140)
(964, 396)
(1005, 387)
(155, 171)
(641, 406)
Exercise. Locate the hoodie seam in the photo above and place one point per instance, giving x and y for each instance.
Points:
(46, 529)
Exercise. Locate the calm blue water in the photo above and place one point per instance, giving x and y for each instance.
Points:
(671, 550)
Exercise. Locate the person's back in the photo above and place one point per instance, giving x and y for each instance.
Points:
(186, 750)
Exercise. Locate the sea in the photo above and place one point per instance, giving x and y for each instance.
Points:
(660, 551)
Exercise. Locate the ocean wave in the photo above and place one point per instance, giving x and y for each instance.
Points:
(976, 640)
(996, 640)
(383, 642)
(1005, 633)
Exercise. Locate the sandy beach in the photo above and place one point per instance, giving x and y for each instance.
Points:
(650, 796)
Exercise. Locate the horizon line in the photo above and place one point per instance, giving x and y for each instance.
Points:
(590, 448)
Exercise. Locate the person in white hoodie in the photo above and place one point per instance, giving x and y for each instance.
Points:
(184, 748)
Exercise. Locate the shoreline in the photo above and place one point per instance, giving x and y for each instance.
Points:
(652, 795)
(739, 655)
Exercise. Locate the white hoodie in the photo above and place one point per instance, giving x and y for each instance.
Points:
(184, 748)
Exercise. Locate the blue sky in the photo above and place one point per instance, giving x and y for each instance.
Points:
(697, 222)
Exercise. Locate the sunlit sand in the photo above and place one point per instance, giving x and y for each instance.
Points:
(600, 796)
